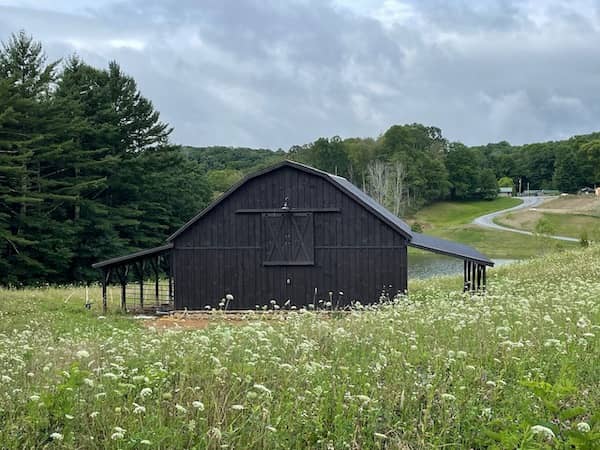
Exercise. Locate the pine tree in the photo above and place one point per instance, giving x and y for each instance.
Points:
(34, 247)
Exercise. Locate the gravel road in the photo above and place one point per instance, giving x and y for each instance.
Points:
(487, 221)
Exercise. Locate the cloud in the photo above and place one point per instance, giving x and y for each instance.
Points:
(273, 74)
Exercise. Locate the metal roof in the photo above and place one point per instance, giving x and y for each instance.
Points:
(341, 183)
(133, 256)
(449, 248)
(373, 205)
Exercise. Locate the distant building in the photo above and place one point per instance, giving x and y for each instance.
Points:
(587, 190)
(505, 192)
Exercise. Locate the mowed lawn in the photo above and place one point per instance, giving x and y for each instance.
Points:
(517, 368)
(446, 214)
(573, 216)
(452, 220)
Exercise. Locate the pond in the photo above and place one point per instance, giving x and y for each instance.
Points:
(425, 265)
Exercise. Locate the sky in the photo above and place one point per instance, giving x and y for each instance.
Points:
(277, 73)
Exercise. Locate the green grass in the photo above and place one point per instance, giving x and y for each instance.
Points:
(501, 244)
(572, 225)
(439, 370)
(452, 220)
(446, 214)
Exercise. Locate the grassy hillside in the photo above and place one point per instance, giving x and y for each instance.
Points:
(573, 216)
(452, 220)
(517, 368)
(447, 214)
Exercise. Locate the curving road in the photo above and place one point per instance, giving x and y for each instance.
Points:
(528, 202)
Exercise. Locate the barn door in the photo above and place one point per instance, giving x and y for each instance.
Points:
(288, 239)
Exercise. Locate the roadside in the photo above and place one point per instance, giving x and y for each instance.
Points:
(488, 220)
(573, 216)
(454, 221)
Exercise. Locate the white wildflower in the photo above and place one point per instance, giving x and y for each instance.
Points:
(81, 354)
(448, 397)
(198, 405)
(262, 388)
(94, 414)
(145, 442)
(115, 436)
(180, 408)
(237, 407)
(543, 431)
(56, 436)
(229, 297)
(139, 409)
(146, 392)
(583, 427)
(380, 435)
(270, 428)
(69, 417)
(583, 322)
(34, 398)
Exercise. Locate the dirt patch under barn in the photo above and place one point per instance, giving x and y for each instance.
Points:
(199, 321)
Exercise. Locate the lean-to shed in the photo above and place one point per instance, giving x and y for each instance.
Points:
(289, 234)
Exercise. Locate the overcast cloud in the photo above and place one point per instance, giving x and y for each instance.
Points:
(270, 73)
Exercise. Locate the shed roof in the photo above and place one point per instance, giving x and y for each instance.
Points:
(132, 257)
(449, 248)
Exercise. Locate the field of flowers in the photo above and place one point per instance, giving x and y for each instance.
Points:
(518, 368)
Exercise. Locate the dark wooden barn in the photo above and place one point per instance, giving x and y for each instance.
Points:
(289, 235)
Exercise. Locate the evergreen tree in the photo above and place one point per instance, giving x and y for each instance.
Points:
(35, 247)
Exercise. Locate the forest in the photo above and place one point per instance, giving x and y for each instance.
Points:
(88, 170)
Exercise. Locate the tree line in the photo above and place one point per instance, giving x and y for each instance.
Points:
(86, 168)
(88, 171)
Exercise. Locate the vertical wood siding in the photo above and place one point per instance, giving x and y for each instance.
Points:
(222, 253)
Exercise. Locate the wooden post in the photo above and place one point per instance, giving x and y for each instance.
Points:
(122, 273)
(478, 277)
(141, 267)
(465, 276)
(105, 280)
(170, 272)
(473, 276)
(154, 263)
(484, 281)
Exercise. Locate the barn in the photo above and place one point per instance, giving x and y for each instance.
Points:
(287, 236)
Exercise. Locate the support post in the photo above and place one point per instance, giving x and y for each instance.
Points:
(105, 280)
(473, 275)
(478, 277)
(154, 264)
(465, 281)
(141, 267)
(484, 280)
(122, 273)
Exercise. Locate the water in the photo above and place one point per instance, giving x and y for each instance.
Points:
(425, 265)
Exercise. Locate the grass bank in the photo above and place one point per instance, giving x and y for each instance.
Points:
(448, 214)
(452, 220)
(573, 216)
(517, 368)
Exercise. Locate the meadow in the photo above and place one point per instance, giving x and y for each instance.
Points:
(452, 220)
(572, 215)
(516, 368)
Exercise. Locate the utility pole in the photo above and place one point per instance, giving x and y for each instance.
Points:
(520, 185)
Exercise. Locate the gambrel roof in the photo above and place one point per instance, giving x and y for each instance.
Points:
(416, 240)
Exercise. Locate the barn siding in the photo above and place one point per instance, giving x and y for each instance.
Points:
(355, 252)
